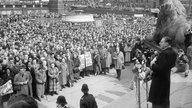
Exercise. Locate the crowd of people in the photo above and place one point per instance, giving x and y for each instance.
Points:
(42, 57)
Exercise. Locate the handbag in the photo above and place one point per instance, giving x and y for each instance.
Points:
(16, 87)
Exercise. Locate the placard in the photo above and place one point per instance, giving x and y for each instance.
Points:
(88, 59)
(7, 88)
(82, 61)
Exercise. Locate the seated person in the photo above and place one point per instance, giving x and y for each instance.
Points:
(182, 63)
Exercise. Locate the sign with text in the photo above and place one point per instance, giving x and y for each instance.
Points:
(88, 59)
(82, 61)
(7, 88)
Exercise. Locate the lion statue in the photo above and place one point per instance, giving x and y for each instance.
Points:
(172, 21)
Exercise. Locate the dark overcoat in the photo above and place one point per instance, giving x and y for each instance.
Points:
(88, 101)
(160, 85)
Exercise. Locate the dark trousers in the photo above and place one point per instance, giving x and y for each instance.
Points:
(118, 73)
(84, 73)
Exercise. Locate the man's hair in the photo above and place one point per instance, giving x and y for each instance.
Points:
(168, 40)
(22, 101)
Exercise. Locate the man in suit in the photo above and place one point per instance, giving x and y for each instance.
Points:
(87, 100)
(40, 77)
(1, 101)
(119, 63)
(161, 67)
(21, 79)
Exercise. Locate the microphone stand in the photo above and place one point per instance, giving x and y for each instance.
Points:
(147, 92)
(138, 91)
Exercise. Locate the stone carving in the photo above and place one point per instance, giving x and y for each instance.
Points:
(172, 21)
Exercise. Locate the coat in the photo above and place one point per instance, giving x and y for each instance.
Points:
(127, 51)
(120, 61)
(88, 101)
(1, 101)
(77, 63)
(160, 85)
(64, 73)
(96, 63)
(70, 66)
(103, 57)
(108, 59)
(30, 83)
(40, 78)
(114, 57)
(32, 71)
(21, 78)
(53, 79)
(189, 55)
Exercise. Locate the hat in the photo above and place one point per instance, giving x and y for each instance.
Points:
(61, 100)
(84, 88)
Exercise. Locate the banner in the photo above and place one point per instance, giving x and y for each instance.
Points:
(7, 88)
(44, 11)
(82, 61)
(19, 12)
(88, 59)
(78, 18)
(85, 60)
(138, 15)
(6, 12)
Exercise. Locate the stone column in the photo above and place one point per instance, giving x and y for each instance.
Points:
(56, 6)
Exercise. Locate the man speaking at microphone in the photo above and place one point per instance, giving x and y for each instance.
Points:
(161, 67)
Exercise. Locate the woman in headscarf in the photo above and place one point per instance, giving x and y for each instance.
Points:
(53, 74)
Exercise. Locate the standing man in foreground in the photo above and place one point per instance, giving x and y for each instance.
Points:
(119, 63)
(87, 100)
(161, 67)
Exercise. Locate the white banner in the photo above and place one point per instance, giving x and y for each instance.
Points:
(7, 88)
(82, 61)
(138, 15)
(78, 18)
(88, 59)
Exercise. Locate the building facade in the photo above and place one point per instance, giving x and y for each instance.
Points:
(8, 7)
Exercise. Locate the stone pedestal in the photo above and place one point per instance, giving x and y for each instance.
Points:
(56, 6)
